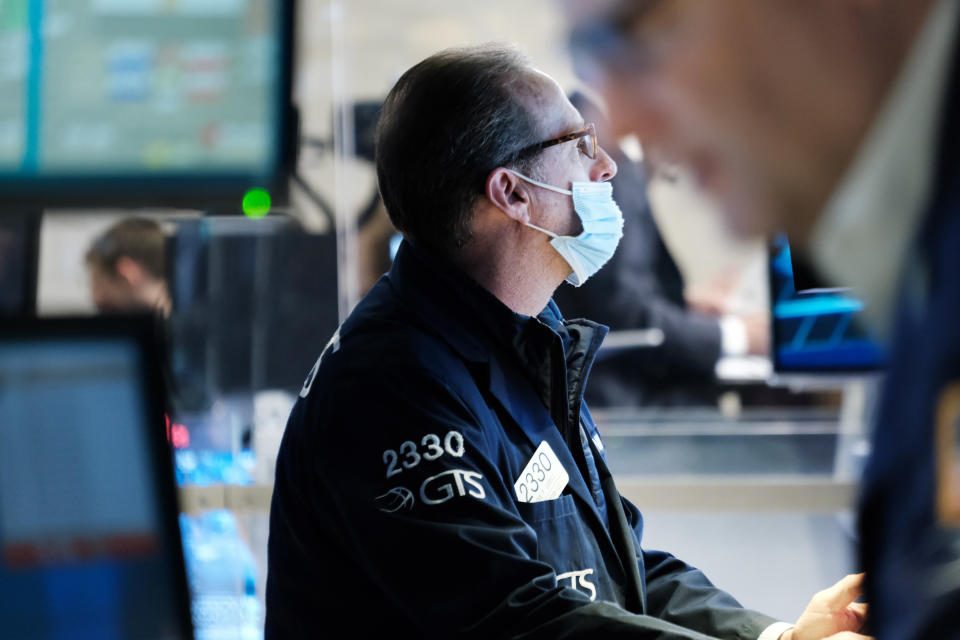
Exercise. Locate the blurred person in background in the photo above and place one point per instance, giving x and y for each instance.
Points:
(642, 288)
(833, 121)
(127, 268)
(440, 475)
(126, 264)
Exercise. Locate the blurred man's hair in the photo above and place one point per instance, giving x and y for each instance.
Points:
(447, 123)
(139, 239)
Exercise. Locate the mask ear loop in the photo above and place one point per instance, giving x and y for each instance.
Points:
(541, 184)
(545, 186)
(546, 231)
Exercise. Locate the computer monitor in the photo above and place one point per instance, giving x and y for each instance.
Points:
(89, 538)
(144, 102)
(816, 330)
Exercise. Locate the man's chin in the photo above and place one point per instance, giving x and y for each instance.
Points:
(746, 220)
(739, 214)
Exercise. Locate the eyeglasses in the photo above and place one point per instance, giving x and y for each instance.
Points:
(587, 142)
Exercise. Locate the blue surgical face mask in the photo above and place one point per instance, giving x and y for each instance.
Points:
(602, 224)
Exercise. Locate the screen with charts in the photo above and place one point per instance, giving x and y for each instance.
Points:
(141, 89)
(88, 547)
(816, 329)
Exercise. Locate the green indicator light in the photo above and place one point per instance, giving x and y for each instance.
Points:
(256, 203)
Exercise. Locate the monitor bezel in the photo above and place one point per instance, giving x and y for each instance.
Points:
(26, 230)
(146, 332)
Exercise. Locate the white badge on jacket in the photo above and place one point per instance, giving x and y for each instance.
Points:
(544, 478)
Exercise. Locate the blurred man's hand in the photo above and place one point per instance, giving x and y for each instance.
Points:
(706, 302)
(758, 333)
(714, 298)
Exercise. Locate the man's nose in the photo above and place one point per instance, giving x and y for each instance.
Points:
(603, 168)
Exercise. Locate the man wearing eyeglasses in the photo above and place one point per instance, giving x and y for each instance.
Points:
(440, 475)
(834, 121)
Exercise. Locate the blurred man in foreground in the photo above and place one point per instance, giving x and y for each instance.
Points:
(831, 120)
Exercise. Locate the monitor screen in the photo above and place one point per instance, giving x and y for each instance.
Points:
(816, 329)
(88, 541)
(142, 101)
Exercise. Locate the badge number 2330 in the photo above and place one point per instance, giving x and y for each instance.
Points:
(530, 482)
(431, 448)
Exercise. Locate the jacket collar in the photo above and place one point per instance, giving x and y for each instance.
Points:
(464, 314)
(554, 354)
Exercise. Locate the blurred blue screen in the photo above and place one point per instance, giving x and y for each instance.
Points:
(81, 534)
(816, 329)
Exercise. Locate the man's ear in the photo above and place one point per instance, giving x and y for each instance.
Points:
(130, 271)
(509, 194)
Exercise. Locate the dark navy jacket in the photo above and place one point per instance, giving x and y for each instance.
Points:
(394, 512)
(911, 553)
